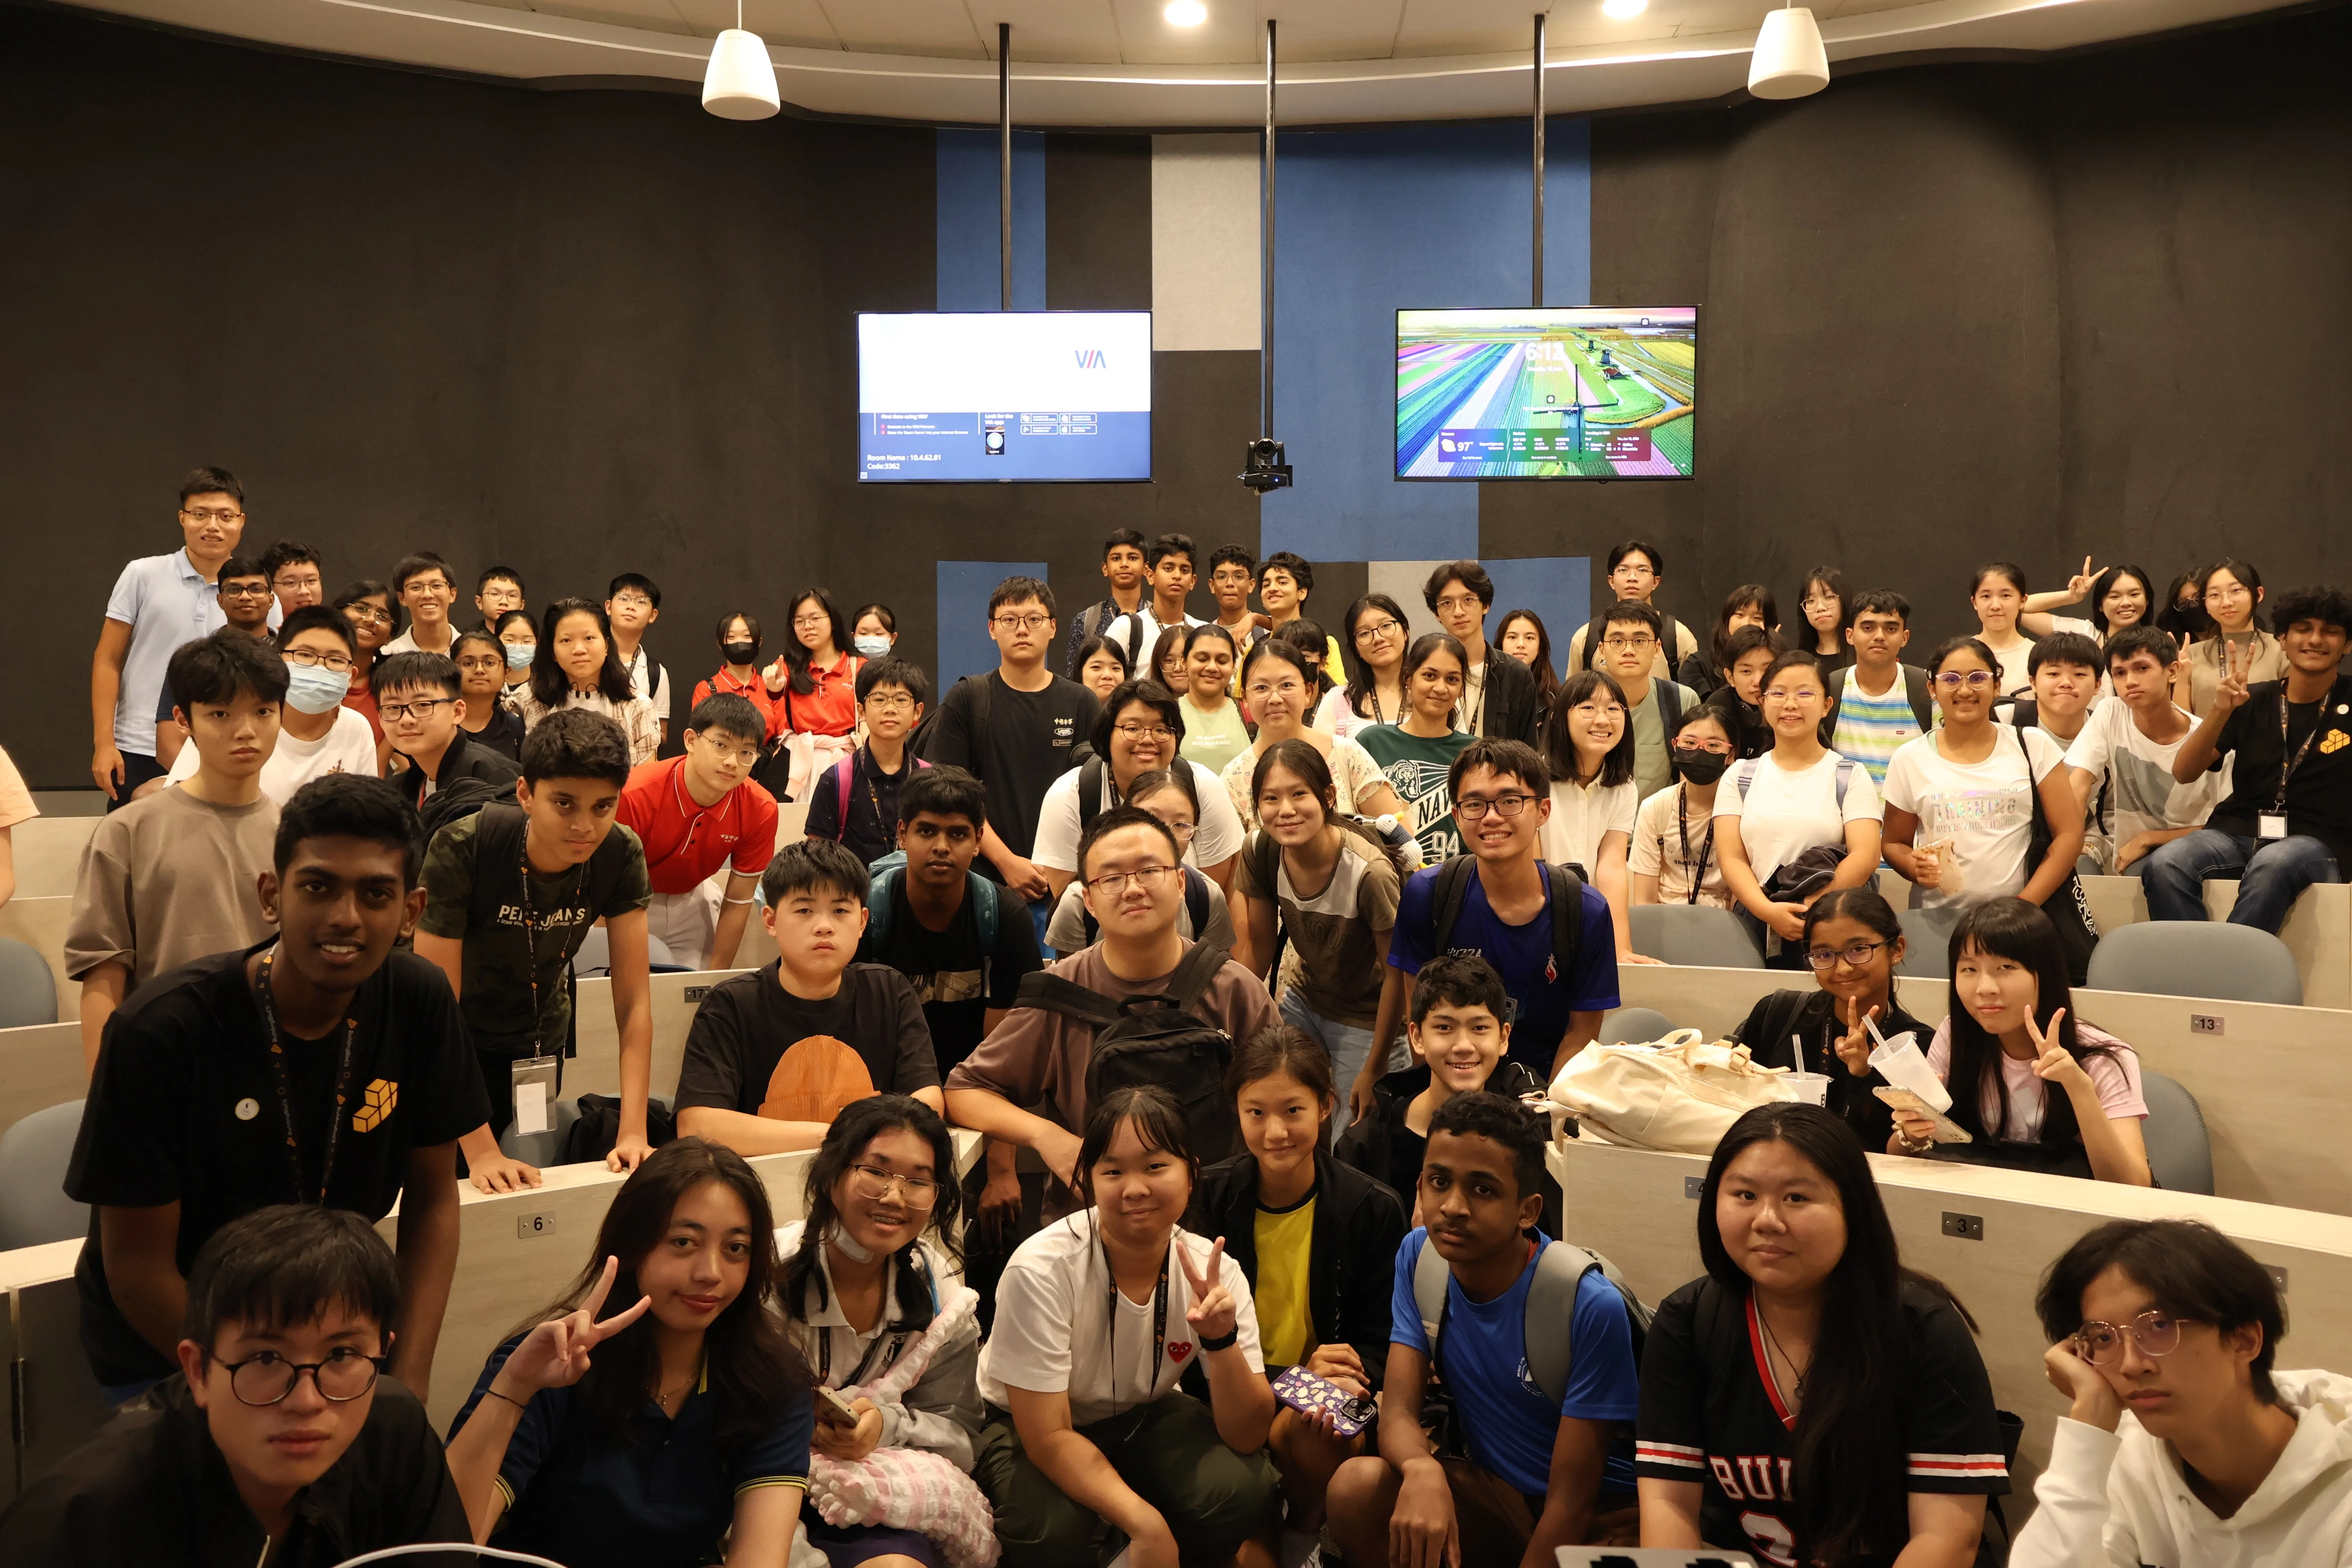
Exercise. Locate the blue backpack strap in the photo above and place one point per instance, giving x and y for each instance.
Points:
(1844, 777)
(984, 910)
(878, 900)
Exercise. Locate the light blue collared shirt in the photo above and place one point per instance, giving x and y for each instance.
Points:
(166, 602)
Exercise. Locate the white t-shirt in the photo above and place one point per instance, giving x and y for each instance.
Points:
(406, 643)
(1057, 845)
(1337, 718)
(1659, 835)
(649, 680)
(1788, 811)
(347, 747)
(1149, 639)
(1581, 814)
(1983, 812)
(1062, 1326)
(2142, 797)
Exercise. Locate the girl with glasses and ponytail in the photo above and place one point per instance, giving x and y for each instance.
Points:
(1808, 1399)
(872, 1291)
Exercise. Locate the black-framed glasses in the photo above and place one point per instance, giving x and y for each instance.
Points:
(267, 1377)
(1714, 748)
(873, 1183)
(1378, 629)
(2153, 1334)
(422, 708)
(1855, 953)
(1023, 622)
(243, 590)
(1135, 732)
(1117, 882)
(1474, 808)
(308, 658)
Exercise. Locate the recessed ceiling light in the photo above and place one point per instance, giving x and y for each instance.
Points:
(1186, 13)
(1621, 9)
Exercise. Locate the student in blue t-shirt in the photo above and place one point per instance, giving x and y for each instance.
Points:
(1537, 1476)
(1502, 795)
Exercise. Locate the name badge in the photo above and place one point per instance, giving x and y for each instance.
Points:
(2270, 825)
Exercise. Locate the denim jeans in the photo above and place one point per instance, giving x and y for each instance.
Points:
(2272, 874)
(1349, 1045)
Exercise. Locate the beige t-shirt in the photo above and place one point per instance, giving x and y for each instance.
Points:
(169, 879)
(1038, 1060)
(1353, 775)
(1332, 957)
(1678, 646)
(17, 801)
(1656, 850)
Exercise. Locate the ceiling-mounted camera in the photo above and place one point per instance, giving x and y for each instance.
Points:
(1263, 468)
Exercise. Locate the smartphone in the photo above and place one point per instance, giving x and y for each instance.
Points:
(1306, 1393)
(832, 1409)
(1946, 1130)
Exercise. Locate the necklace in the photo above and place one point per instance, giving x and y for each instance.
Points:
(1773, 1339)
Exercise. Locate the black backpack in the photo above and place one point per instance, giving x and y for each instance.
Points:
(1158, 1040)
(1265, 866)
(461, 799)
(919, 742)
(1566, 910)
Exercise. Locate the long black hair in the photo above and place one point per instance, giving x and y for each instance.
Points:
(1850, 1484)
(2020, 932)
(1747, 595)
(1159, 1121)
(1359, 673)
(752, 1363)
(1547, 677)
(796, 652)
(1559, 751)
(551, 683)
(861, 1122)
(2105, 583)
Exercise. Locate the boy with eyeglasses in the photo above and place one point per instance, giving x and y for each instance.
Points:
(856, 801)
(243, 590)
(632, 605)
(320, 1064)
(281, 1441)
(1635, 570)
(159, 602)
(1232, 578)
(422, 584)
(695, 813)
(2183, 1443)
(421, 699)
(1631, 635)
(316, 735)
(298, 576)
(1013, 729)
(775, 1055)
(1037, 1058)
(1498, 693)
(497, 591)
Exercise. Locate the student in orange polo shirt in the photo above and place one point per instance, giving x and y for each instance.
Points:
(739, 670)
(698, 812)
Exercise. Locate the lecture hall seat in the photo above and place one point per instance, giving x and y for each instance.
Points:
(28, 991)
(2179, 1154)
(34, 1154)
(1927, 943)
(1635, 1025)
(2197, 958)
(1696, 934)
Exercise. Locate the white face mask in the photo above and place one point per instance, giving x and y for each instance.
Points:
(315, 689)
(519, 655)
(872, 646)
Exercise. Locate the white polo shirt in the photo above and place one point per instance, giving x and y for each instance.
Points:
(165, 601)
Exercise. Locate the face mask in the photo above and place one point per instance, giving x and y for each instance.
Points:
(1701, 767)
(519, 655)
(872, 647)
(741, 652)
(313, 688)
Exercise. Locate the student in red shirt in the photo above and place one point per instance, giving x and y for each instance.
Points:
(739, 671)
(813, 685)
(698, 812)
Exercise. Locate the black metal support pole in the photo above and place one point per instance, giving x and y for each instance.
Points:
(1004, 163)
(1539, 159)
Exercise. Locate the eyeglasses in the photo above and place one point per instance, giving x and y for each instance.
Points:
(1135, 732)
(1376, 630)
(872, 1185)
(291, 584)
(310, 658)
(1974, 679)
(1714, 748)
(894, 702)
(746, 755)
(269, 1377)
(1645, 641)
(478, 662)
(2154, 1334)
(1182, 830)
(800, 622)
(639, 602)
(1118, 881)
(369, 614)
(427, 586)
(1855, 953)
(1260, 690)
(1474, 808)
(243, 590)
(200, 515)
(422, 708)
(1021, 623)
(1459, 605)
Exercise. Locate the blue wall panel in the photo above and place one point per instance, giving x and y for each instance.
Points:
(964, 586)
(1368, 222)
(1556, 587)
(969, 261)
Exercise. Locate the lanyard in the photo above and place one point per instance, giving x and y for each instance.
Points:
(873, 799)
(1159, 1322)
(2318, 722)
(530, 947)
(1706, 845)
(280, 1082)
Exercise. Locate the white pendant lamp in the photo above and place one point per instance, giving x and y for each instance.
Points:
(1789, 61)
(741, 82)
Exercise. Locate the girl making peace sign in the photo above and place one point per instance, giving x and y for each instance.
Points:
(641, 1436)
(1086, 1426)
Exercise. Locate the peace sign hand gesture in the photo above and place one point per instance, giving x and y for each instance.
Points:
(555, 1353)
(2079, 585)
(1213, 1308)
(2237, 660)
(1854, 1050)
(2052, 1063)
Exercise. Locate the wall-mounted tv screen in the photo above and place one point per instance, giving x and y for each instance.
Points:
(1580, 394)
(1004, 395)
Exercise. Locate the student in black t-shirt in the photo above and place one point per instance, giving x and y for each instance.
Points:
(2288, 821)
(191, 1120)
(1808, 1399)
(279, 1441)
(856, 801)
(1013, 729)
(420, 698)
(774, 1054)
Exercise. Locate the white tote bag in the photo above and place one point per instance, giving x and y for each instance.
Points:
(1679, 1094)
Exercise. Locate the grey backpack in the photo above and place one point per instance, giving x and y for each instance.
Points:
(1561, 1268)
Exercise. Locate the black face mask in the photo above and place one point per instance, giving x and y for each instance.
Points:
(741, 652)
(1701, 767)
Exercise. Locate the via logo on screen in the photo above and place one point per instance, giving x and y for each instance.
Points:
(1090, 358)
